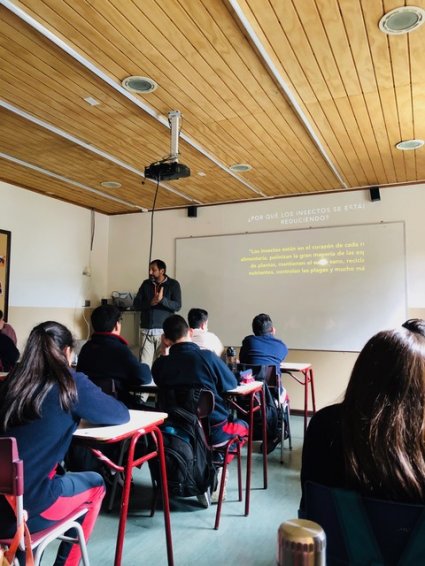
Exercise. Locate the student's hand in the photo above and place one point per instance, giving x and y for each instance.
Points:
(165, 348)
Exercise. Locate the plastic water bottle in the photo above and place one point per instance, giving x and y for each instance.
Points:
(301, 543)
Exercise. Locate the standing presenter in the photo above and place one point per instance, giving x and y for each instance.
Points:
(157, 298)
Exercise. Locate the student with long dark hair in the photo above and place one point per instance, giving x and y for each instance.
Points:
(41, 404)
(373, 442)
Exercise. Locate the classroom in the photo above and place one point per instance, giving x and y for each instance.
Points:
(323, 230)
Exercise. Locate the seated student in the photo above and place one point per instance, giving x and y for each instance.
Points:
(107, 355)
(262, 348)
(198, 322)
(373, 442)
(187, 364)
(7, 329)
(9, 353)
(41, 403)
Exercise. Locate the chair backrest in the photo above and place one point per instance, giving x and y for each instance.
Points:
(193, 399)
(259, 372)
(107, 384)
(364, 530)
(268, 374)
(11, 468)
(12, 475)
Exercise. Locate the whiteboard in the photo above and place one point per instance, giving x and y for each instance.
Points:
(325, 288)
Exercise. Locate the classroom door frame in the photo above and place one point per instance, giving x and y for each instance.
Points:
(5, 246)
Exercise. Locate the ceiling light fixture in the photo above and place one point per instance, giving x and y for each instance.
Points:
(402, 20)
(140, 85)
(406, 145)
(20, 13)
(110, 184)
(240, 167)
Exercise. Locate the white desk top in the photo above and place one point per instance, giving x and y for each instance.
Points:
(290, 366)
(138, 421)
(246, 388)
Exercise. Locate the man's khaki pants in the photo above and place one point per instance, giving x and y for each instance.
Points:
(150, 347)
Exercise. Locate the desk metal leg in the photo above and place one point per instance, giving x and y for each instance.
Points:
(305, 400)
(264, 425)
(252, 410)
(165, 498)
(308, 379)
(313, 398)
(249, 454)
(125, 499)
(130, 463)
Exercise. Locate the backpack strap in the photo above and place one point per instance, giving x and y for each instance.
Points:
(360, 542)
(21, 531)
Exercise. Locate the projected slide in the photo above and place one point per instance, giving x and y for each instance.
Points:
(325, 288)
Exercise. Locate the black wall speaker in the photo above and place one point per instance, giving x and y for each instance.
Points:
(192, 211)
(374, 194)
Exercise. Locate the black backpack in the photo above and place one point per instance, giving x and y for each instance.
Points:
(188, 457)
(273, 418)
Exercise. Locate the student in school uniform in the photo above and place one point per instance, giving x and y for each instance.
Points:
(41, 403)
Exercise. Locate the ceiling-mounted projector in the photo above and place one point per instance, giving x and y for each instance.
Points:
(169, 168)
(166, 171)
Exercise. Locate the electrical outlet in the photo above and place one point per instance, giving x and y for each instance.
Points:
(87, 303)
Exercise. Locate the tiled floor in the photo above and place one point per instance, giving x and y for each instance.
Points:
(250, 541)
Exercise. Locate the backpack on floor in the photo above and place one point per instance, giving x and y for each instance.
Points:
(273, 417)
(188, 458)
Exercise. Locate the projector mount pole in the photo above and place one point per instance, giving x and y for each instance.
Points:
(174, 119)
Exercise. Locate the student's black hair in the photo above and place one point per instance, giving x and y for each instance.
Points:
(383, 417)
(196, 317)
(175, 327)
(415, 325)
(105, 317)
(43, 365)
(262, 324)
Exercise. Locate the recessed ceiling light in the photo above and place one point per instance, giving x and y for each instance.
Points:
(240, 167)
(142, 85)
(402, 20)
(405, 145)
(111, 184)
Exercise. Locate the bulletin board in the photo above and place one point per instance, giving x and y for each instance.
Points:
(5, 238)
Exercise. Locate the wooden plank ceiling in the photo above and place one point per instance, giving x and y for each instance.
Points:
(361, 92)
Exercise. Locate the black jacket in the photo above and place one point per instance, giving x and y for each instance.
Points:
(187, 364)
(9, 353)
(107, 355)
(154, 316)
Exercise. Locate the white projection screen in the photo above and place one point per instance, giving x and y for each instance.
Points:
(324, 288)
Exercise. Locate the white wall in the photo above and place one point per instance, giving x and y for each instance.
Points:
(51, 239)
(50, 249)
(129, 251)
